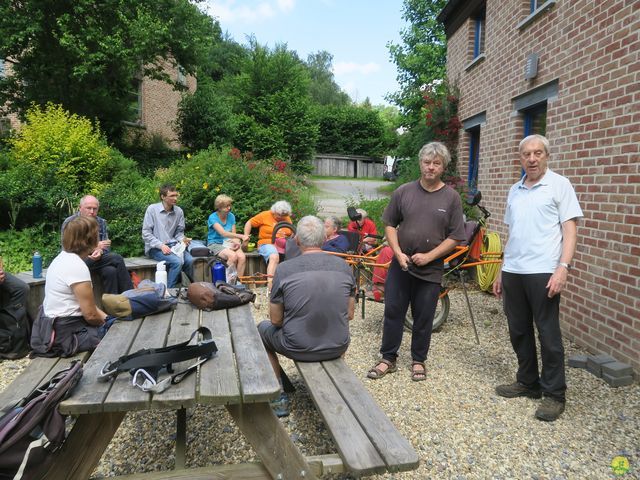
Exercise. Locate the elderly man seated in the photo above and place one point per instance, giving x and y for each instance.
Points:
(334, 241)
(312, 301)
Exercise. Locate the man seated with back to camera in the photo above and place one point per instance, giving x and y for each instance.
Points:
(312, 301)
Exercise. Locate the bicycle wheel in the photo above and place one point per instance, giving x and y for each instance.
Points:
(442, 312)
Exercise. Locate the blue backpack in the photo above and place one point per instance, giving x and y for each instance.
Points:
(147, 299)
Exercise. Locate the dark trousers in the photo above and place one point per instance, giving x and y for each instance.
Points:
(14, 322)
(113, 272)
(526, 304)
(401, 290)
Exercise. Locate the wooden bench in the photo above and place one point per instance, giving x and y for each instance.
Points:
(366, 439)
(38, 371)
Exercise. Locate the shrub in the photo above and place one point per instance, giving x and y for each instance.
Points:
(17, 247)
(55, 158)
(351, 130)
(253, 185)
(204, 118)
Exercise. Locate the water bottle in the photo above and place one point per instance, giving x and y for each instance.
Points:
(218, 272)
(161, 274)
(37, 265)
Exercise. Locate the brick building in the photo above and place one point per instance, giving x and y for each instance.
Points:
(153, 107)
(569, 70)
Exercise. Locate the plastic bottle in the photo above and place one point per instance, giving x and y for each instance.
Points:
(37, 265)
(232, 275)
(218, 272)
(161, 273)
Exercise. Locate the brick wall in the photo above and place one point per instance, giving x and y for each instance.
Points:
(160, 105)
(593, 50)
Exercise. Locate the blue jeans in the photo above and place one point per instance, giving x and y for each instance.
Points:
(174, 265)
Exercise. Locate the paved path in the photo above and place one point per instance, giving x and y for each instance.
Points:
(334, 195)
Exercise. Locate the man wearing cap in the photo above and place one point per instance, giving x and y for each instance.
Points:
(109, 265)
(364, 226)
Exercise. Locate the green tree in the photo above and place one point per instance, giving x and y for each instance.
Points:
(351, 130)
(87, 55)
(205, 118)
(421, 58)
(274, 106)
(324, 89)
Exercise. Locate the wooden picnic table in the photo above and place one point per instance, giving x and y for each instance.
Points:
(239, 377)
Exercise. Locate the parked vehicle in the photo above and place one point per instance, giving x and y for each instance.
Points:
(390, 170)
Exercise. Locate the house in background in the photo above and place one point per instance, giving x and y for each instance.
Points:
(569, 70)
(154, 105)
(153, 108)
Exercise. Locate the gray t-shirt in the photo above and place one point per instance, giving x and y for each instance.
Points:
(315, 290)
(424, 220)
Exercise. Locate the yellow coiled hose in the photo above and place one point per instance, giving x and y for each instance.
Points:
(487, 273)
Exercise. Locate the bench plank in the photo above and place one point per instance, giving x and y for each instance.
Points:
(90, 392)
(396, 450)
(258, 383)
(358, 453)
(218, 377)
(151, 334)
(186, 319)
(38, 371)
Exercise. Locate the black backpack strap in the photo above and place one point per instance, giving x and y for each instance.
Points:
(152, 360)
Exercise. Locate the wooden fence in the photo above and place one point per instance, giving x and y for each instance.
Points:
(351, 166)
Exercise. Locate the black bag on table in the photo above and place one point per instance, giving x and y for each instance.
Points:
(34, 429)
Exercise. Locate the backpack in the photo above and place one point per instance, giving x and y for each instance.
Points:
(207, 296)
(147, 299)
(34, 428)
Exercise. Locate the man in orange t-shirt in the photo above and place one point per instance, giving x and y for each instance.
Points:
(265, 222)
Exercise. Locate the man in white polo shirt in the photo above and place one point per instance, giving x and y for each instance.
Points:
(542, 213)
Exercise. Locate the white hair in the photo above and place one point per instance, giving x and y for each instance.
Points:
(281, 207)
(310, 232)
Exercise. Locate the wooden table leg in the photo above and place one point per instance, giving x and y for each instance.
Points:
(181, 438)
(270, 440)
(84, 446)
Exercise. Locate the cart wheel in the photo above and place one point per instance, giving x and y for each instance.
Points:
(442, 312)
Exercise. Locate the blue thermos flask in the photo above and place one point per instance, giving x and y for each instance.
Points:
(37, 265)
(218, 272)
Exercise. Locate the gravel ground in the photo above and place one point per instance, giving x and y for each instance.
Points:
(459, 427)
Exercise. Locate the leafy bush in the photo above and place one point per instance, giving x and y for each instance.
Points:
(205, 118)
(148, 151)
(351, 130)
(123, 204)
(253, 185)
(55, 158)
(17, 247)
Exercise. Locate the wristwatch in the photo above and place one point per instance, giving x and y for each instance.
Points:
(565, 265)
